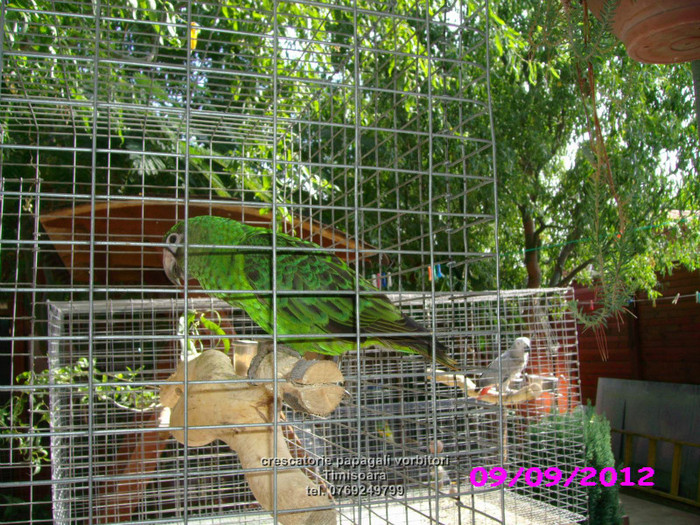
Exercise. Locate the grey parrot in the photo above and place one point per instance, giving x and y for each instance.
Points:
(513, 362)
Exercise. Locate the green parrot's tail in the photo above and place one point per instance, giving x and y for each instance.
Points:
(424, 347)
(442, 358)
(421, 344)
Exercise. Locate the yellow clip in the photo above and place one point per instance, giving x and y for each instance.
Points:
(194, 33)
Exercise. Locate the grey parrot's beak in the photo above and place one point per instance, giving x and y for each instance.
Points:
(525, 343)
(172, 268)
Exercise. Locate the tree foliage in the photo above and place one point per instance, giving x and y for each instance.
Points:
(568, 208)
(597, 154)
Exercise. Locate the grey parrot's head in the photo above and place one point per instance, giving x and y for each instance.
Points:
(173, 254)
(521, 346)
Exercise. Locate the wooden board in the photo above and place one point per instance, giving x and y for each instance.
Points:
(123, 231)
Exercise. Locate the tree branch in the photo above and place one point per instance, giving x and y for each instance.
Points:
(570, 276)
(542, 227)
(532, 245)
(558, 270)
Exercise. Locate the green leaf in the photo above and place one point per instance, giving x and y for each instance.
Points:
(215, 328)
(497, 43)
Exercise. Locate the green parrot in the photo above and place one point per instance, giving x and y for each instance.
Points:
(242, 262)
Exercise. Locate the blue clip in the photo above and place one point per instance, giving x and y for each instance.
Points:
(438, 272)
(383, 281)
(697, 297)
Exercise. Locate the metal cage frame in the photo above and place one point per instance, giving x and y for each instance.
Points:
(361, 126)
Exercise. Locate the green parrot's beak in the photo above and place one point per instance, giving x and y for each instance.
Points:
(172, 268)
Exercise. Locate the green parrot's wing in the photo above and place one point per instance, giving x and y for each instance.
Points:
(303, 269)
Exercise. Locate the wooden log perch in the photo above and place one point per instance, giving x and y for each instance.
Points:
(211, 404)
(528, 392)
(314, 387)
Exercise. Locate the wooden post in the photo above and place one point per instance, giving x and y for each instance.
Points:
(224, 406)
(676, 469)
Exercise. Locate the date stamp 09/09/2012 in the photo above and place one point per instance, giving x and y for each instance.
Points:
(585, 476)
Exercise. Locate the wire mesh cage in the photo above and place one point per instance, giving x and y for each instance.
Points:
(132, 469)
(358, 136)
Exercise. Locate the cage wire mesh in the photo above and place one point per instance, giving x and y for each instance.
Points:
(361, 126)
(141, 477)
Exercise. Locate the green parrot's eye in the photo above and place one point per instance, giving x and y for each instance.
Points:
(173, 240)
